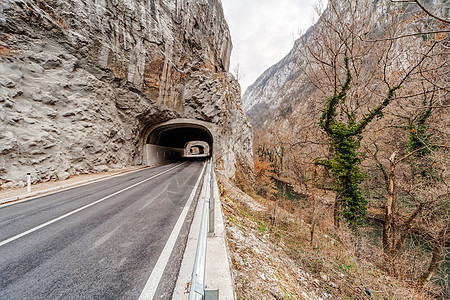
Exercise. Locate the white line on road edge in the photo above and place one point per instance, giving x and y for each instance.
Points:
(31, 196)
(153, 281)
(5, 202)
(81, 208)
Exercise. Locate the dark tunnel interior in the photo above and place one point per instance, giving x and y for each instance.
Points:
(178, 137)
(198, 149)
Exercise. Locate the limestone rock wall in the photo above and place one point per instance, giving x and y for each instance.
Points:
(235, 144)
(80, 80)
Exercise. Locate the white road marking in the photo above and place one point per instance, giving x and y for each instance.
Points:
(67, 187)
(82, 208)
(155, 277)
(163, 188)
(105, 237)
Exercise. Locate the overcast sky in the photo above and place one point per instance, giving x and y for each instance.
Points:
(264, 31)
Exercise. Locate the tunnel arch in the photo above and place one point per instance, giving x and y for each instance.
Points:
(168, 140)
(196, 149)
(178, 135)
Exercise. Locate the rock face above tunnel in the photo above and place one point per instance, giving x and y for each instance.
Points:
(81, 80)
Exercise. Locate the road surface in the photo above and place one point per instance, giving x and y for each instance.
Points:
(101, 240)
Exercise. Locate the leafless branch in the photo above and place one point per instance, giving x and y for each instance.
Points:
(405, 36)
(430, 106)
(424, 9)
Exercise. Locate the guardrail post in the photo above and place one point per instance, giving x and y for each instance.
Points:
(212, 294)
(211, 200)
(29, 182)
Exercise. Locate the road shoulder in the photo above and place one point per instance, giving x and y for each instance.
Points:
(218, 270)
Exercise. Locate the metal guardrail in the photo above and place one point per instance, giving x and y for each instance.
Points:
(211, 199)
(197, 286)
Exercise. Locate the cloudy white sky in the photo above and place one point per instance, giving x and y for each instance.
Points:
(263, 32)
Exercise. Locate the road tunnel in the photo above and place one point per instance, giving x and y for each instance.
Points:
(197, 149)
(177, 139)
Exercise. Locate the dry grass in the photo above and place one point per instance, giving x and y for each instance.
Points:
(275, 260)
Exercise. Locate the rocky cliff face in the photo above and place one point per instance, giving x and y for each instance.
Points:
(263, 98)
(80, 80)
(275, 86)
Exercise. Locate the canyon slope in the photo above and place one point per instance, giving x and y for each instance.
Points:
(81, 81)
(355, 121)
(285, 92)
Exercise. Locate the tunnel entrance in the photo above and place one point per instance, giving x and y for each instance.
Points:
(197, 149)
(177, 139)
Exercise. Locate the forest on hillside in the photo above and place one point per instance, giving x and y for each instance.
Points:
(363, 145)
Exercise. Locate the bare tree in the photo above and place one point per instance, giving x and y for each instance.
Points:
(238, 72)
(352, 75)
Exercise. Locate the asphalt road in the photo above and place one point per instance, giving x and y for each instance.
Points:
(98, 241)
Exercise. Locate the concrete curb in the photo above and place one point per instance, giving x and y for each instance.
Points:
(29, 196)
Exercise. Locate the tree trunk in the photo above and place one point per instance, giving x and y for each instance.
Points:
(336, 212)
(406, 229)
(313, 227)
(313, 217)
(435, 261)
(388, 219)
(314, 202)
(274, 216)
(338, 203)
